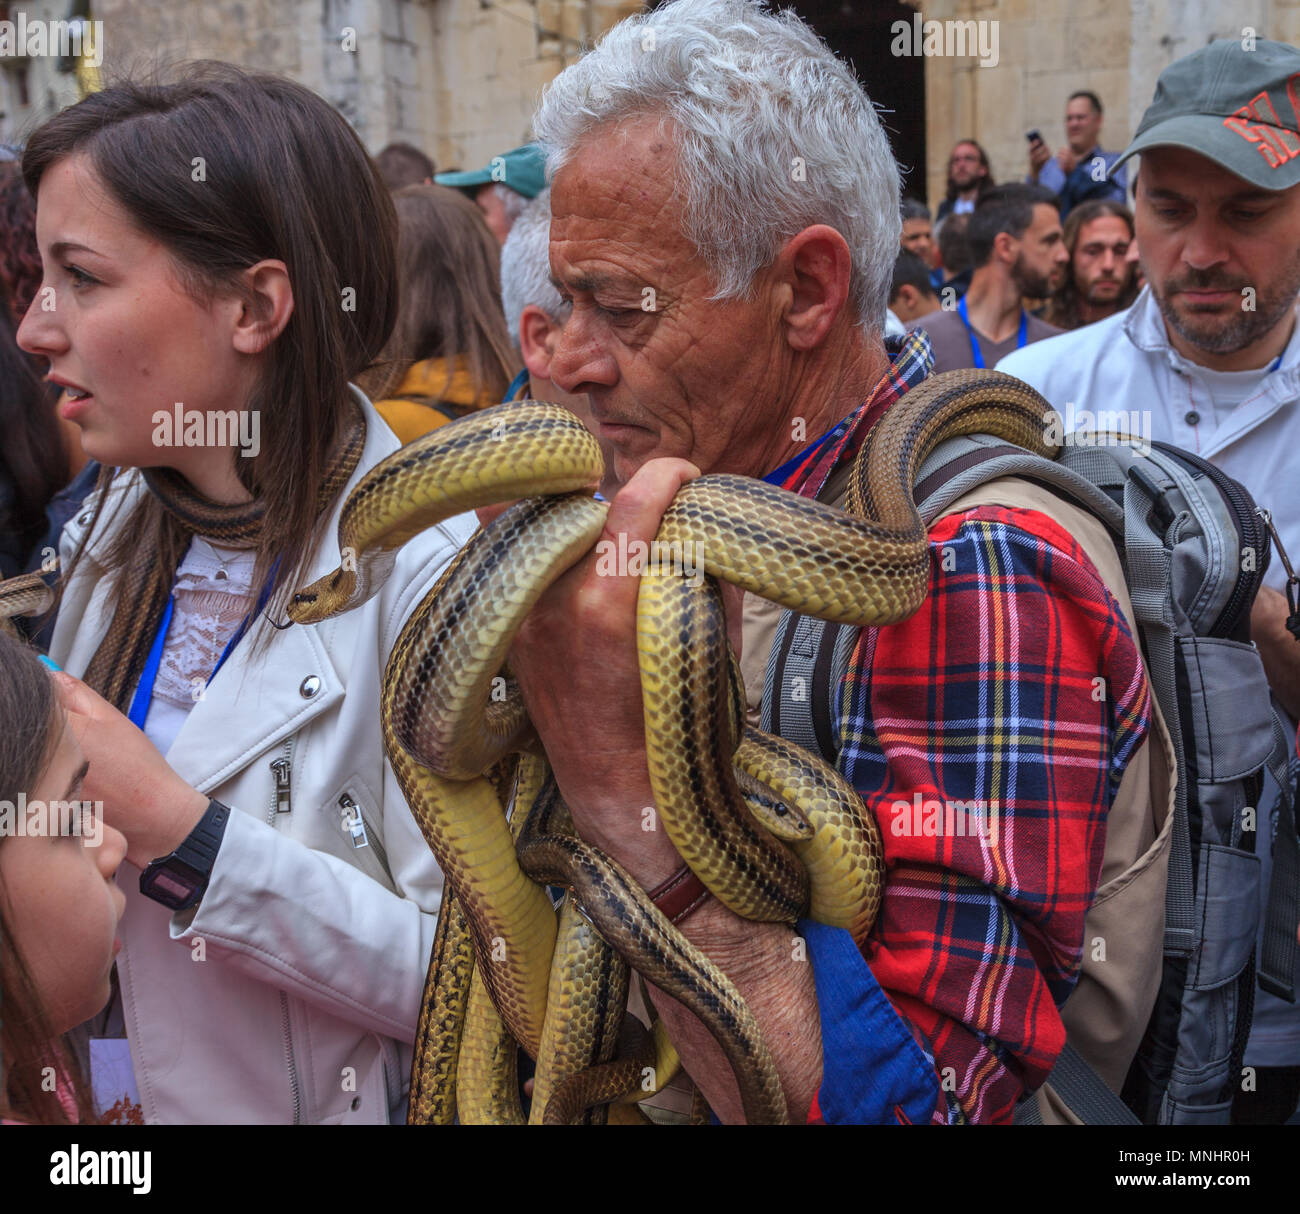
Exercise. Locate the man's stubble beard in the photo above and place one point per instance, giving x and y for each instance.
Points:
(1215, 335)
(1031, 284)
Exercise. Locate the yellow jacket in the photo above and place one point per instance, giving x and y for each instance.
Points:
(428, 397)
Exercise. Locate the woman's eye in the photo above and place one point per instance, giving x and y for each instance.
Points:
(79, 276)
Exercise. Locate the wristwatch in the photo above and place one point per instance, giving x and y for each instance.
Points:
(179, 880)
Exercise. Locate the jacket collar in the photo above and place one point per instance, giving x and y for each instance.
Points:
(259, 698)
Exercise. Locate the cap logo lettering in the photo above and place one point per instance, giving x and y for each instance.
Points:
(1259, 124)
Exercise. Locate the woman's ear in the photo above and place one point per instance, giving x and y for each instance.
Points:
(266, 307)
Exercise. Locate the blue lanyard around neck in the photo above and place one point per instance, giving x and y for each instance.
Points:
(1022, 335)
(143, 697)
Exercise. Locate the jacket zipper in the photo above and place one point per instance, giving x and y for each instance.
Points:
(361, 837)
(1249, 528)
(282, 770)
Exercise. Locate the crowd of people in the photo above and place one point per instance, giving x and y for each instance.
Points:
(260, 954)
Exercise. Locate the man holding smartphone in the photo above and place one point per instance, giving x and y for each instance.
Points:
(1079, 171)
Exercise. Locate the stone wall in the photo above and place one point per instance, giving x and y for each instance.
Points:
(1049, 48)
(461, 77)
(457, 77)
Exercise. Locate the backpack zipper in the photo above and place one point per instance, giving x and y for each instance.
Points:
(1250, 530)
(281, 803)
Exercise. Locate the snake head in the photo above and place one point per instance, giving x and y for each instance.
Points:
(325, 597)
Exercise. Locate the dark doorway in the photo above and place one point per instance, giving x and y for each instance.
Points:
(860, 31)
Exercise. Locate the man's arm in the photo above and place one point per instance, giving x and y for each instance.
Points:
(1278, 649)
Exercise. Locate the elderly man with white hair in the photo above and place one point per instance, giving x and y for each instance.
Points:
(724, 225)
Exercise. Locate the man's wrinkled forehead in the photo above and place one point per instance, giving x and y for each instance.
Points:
(614, 198)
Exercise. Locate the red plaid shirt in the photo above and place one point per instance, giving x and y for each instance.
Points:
(1016, 688)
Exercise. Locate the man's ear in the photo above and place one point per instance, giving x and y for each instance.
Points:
(265, 307)
(813, 270)
(536, 341)
(1006, 247)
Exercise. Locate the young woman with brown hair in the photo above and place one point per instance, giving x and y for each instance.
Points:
(275, 950)
(450, 352)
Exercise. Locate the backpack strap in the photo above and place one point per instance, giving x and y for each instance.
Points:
(1277, 964)
(805, 666)
(1082, 1090)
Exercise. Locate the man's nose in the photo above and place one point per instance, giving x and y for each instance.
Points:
(580, 359)
(1203, 244)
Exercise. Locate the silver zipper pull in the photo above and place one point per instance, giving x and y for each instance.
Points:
(353, 823)
(283, 787)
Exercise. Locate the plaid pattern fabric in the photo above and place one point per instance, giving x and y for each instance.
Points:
(987, 734)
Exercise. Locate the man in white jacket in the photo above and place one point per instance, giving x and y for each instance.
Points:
(1208, 356)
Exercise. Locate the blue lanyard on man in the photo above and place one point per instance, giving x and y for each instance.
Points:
(1022, 336)
(143, 697)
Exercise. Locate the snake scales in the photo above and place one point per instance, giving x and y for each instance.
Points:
(725, 794)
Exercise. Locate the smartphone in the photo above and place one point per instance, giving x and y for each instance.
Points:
(1033, 136)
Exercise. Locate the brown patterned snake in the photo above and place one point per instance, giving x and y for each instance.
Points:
(449, 715)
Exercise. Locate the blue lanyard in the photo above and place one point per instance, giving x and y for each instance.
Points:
(782, 474)
(143, 697)
(977, 354)
(517, 385)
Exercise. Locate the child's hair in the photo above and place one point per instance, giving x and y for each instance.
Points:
(227, 167)
(30, 1051)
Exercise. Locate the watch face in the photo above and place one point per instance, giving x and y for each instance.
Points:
(172, 884)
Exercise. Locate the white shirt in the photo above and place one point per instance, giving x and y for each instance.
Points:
(1246, 422)
(211, 594)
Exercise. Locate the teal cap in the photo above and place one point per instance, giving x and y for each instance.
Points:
(523, 169)
(1236, 102)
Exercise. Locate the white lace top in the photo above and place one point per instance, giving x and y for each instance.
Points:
(213, 592)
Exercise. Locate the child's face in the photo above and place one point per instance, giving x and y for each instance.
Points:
(61, 901)
(114, 320)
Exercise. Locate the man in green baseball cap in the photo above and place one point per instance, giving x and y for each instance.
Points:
(1209, 354)
(504, 186)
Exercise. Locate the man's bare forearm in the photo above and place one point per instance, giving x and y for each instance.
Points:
(769, 966)
(1278, 649)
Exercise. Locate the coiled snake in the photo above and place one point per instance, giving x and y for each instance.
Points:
(450, 718)
(453, 727)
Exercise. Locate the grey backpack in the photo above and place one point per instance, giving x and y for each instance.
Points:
(1194, 551)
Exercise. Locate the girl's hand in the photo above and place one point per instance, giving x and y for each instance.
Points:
(141, 795)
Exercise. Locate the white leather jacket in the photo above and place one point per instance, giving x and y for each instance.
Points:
(291, 993)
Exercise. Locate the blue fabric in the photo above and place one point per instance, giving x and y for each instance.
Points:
(1081, 185)
(871, 1063)
(517, 385)
(143, 697)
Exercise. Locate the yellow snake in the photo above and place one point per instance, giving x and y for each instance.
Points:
(444, 724)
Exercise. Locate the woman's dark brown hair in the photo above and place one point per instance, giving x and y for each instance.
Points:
(226, 168)
(32, 459)
(32, 723)
(450, 269)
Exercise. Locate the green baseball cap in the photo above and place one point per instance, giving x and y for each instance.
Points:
(523, 169)
(1237, 107)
